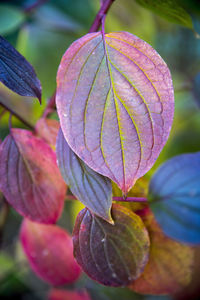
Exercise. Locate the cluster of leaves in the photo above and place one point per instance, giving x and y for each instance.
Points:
(115, 104)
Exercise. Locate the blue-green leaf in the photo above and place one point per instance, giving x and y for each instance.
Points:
(174, 195)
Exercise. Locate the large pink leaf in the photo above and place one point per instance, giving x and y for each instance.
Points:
(29, 177)
(49, 251)
(115, 103)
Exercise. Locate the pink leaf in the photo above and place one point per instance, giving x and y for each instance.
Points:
(29, 177)
(115, 103)
(48, 130)
(57, 294)
(49, 251)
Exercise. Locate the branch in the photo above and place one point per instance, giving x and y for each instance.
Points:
(50, 106)
(120, 199)
(130, 199)
(103, 11)
(17, 116)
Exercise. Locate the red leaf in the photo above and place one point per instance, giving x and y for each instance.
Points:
(29, 177)
(49, 251)
(57, 294)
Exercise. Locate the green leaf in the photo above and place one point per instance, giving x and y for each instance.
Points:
(10, 18)
(171, 10)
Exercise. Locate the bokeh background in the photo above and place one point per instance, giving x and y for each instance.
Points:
(42, 36)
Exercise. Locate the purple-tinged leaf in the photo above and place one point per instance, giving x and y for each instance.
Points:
(16, 72)
(58, 294)
(174, 195)
(115, 103)
(114, 255)
(49, 250)
(29, 177)
(91, 188)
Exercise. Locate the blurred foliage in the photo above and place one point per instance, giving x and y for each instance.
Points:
(42, 35)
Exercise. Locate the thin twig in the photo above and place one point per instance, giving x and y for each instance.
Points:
(17, 115)
(103, 11)
(10, 121)
(130, 199)
(50, 106)
(120, 199)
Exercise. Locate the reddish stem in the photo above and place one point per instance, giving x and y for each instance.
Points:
(130, 199)
(50, 106)
(120, 199)
(103, 11)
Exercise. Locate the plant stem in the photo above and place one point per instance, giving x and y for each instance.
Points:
(50, 106)
(120, 199)
(130, 199)
(103, 11)
(17, 116)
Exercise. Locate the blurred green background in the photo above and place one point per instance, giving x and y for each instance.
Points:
(42, 36)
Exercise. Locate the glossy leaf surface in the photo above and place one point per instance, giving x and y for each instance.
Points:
(49, 250)
(115, 103)
(29, 177)
(170, 264)
(57, 294)
(113, 255)
(48, 130)
(16, 72)
(173, 11)
(174, 195)
(91, 188)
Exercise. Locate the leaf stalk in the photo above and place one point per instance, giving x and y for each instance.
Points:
(17, 115)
